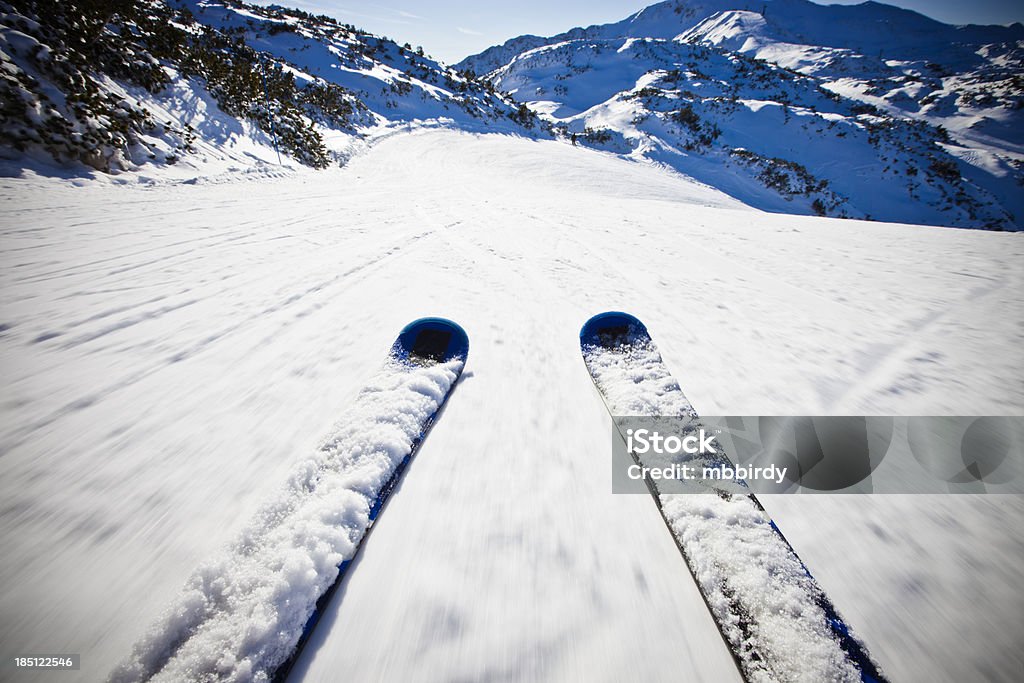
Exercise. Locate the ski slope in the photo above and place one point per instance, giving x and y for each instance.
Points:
(171, 351)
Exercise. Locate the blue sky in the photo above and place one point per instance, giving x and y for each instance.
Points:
(452, 29)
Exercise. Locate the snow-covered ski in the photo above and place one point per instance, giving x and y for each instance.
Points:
(247, 614)
(777, 621)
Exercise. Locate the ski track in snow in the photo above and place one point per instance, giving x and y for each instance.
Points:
(171, 353)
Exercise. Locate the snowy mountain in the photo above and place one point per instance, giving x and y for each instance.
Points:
(863, 111)
(118, 85)
(858, 111)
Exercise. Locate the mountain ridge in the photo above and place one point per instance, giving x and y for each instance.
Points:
(640, 23)
(865, 111)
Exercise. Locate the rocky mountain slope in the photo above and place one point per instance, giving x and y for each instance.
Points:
(120, 84)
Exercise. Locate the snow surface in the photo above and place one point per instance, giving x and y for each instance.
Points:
(171, 354)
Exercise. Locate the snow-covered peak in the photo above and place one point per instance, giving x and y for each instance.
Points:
(733, 28)
(862, 111)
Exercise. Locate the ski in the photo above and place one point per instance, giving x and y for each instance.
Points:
(775, 618)
(421, 344)
(248, 613)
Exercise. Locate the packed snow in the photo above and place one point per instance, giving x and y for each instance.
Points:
(173, 352)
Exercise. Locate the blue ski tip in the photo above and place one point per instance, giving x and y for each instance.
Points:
(611, 328)
(436, 339)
